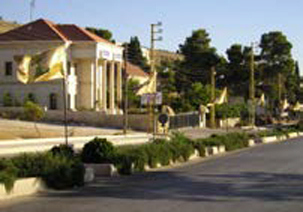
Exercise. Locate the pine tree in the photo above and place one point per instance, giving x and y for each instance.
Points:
(135, 55)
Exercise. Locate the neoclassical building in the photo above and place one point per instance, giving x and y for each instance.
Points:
(93, 68)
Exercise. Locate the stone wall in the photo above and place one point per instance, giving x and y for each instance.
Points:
(90, 118)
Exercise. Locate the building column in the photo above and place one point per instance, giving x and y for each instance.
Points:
(119, 84)
(112, 88)
(100, 84)
(96, 85)
(71, 87)
(104, 86)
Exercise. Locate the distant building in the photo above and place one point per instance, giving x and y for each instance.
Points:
(93, 67)
(161, 55)
(136, 73)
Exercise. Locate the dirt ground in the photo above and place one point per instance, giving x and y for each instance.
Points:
(15, 129)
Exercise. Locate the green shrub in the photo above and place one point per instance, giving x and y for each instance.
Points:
(299, 126)
(211, 141)
(200, 147)
(31, 164)
(152, 152)
(131, 158)
(139, 159)
(124, 163)
(98, 151)
(32, 111)
(63, 150)
(63, 173)
(8, 174)
(181, 146)
(7, 100)
(233, 141)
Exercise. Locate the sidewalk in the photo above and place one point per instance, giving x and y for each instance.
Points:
(12, 147)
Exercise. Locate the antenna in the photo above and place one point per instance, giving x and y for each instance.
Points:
(31, 9)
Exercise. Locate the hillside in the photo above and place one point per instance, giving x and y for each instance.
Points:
(7, 25)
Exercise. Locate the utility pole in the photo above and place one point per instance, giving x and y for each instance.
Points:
(125, 114)
(152, 104)
(213, 97)
(31, 9)
(280, 87)
(252, 86)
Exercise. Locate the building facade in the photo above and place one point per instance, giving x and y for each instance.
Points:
(93, 68)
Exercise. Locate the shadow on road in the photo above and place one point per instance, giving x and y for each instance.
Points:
(177, 185)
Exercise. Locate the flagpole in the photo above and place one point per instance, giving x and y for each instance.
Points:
(65, 110)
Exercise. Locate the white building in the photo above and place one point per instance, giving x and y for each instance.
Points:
(93, 67)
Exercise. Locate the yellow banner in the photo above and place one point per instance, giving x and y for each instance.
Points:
(45, 66)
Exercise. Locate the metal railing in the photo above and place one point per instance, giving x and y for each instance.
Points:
(183, 120)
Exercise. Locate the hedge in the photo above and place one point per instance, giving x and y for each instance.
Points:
(59, 168)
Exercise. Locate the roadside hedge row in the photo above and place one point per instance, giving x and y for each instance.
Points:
(160, 152)
(59, 168)
(276, 132)
(62, 168)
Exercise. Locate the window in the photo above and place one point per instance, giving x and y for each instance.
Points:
(8, 68)
(53, 101)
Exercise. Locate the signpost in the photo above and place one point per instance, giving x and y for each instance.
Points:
(151, 98)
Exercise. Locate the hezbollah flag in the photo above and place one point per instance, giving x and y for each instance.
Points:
(285, 104)
(297, 106)
(150, 86)
(262, 100)
(220, 100)
(45, 66)
(223, 97)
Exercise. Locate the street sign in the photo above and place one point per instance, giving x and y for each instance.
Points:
(151, 98)
(163, 119)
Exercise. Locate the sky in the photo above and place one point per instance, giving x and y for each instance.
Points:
(227, 21)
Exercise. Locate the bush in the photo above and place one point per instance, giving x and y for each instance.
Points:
(98, 151)
(130, 158)
(63, 173)
(181, 146)
(32, 111)
(200, 147)
(233, 141)
(8, 174)
(31, 165)
(63, 150)
(124, 164)
(299, 126)
(7, 100)
(152, 155)
(139, 159)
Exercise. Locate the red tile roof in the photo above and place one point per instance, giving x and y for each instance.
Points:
(134, 70)
(44, 30)
(76, 33)
(37, 30)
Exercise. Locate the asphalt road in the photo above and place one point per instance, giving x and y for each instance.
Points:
(264, 178)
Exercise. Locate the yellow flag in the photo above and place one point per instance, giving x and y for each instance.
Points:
(285, 104)
(223, 97)
(167, 109)
(297, 106)
(45, 66)
(262, 100)
(150, 86)
(23, 68)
